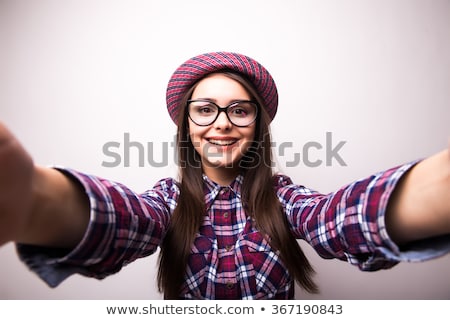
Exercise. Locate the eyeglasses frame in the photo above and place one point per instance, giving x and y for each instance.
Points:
(222, 109)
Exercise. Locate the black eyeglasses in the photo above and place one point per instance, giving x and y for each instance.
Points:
(240, 113)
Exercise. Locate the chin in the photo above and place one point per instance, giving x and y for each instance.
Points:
(230, 162)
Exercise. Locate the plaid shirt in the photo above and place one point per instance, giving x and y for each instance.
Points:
(230, 258)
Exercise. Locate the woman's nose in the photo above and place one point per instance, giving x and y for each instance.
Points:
(222, 121)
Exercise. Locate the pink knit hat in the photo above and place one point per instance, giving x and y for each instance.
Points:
(197, 67)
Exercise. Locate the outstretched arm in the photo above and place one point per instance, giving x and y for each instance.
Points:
(420, 206)
(37, 205)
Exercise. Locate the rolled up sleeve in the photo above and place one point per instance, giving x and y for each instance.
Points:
(349, 224)
(123, 227)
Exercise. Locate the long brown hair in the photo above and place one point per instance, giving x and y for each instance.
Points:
(258, 196)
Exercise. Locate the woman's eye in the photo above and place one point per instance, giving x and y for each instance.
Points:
(241, 112)
(205, 109)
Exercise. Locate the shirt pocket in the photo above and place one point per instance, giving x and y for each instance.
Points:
(263, 265)
(200, 260)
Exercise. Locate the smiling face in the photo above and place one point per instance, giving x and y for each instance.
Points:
(221, 145)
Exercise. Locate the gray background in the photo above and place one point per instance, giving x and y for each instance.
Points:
(376, 74)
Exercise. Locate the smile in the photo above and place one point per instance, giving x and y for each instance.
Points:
(222, 142)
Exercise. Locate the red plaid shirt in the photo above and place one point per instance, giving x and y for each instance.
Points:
(230, 258)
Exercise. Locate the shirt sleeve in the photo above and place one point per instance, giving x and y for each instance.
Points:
(349, 224)
(123, 226)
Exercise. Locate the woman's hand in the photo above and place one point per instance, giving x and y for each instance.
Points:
(16, 196)
(38, 205)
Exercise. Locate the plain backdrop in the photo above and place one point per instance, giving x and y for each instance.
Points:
(75, 75)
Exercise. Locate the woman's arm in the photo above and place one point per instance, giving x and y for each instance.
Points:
(37, 205)
(367, 220)
(420, 205)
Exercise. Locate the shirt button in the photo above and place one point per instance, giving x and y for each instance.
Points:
(230, 285)
(229, 247)
(226, 214)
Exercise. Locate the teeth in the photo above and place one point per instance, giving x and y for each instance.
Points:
(222, 142)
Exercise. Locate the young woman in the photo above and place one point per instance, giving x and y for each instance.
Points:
(228, 226)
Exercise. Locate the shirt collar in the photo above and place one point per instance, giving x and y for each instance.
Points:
(212, 189)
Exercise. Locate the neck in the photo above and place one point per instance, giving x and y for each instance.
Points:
(221, 175)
